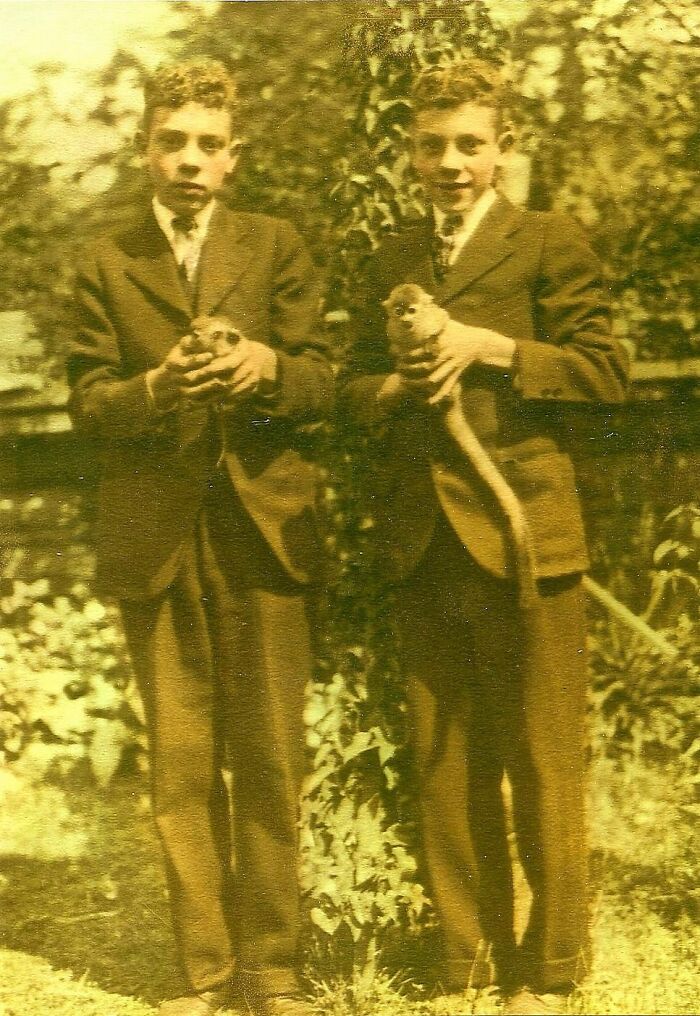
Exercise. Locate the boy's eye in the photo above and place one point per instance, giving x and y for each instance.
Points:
(171, 142)
(430, 146)
(211, 144)
(468, 144)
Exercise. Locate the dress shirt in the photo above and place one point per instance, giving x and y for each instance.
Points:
(187, 248)
(470, 220)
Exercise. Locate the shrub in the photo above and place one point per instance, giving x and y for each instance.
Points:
(66, 695)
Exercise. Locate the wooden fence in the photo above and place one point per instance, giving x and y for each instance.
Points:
(634, 461)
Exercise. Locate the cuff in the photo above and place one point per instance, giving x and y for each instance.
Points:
(158, 410)
(269, 388)
(539, 371)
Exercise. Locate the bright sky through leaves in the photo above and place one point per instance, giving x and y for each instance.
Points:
(83, 34)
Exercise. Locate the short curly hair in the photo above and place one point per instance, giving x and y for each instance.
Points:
(202, 80)
(445, 86)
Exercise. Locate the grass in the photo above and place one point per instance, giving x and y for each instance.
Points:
(84, 926)
(100, 913)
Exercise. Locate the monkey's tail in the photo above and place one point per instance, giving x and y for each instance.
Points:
(488, 472)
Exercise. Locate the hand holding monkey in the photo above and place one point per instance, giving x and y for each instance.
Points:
(431, 350)
(168, 382)
(429, 345)
(237, 366)
(212, 363)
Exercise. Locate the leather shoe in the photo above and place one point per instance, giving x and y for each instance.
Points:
(284, 1005)
(527, 1002)
(203, 1003)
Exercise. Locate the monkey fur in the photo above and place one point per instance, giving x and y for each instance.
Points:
(216, 335)
(415, 321)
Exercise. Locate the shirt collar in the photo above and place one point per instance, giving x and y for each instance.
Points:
(471, 218)
(164, 218)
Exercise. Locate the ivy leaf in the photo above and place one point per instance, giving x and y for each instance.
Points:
(106, 749)
(328, 923)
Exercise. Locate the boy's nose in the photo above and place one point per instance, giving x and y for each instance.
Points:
(190, 157)
(452, 159)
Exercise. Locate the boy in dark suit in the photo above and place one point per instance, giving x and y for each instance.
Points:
(205, 529)
(492, 691)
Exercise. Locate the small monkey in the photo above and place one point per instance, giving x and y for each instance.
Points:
(416, 322)
(216, 335)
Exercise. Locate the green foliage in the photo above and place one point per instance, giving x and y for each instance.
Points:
(607, 100)
(358, 852)
(33, 250)
(359, 868)
(607, 109)
(644, 705)
(65, 690)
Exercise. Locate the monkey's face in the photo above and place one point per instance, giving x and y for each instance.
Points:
(215, 335)
(404, 313)
(404, 306)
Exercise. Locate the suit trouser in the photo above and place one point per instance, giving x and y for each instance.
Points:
(222, 658)
(489, 696)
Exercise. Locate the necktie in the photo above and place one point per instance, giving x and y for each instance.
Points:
(185, 247)
(444, 243)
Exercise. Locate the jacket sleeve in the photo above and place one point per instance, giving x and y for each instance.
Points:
(574, 357)
(304, 389)
(104, 402)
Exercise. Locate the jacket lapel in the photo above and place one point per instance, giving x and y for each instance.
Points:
(489, 245)
(151, 265)
(416, 263)
(228, 251)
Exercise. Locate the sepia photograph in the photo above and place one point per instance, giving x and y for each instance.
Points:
(349, 508)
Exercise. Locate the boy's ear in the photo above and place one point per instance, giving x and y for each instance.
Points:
(506, 138)
(234, 153)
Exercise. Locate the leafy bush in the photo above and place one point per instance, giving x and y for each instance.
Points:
(608, 103)
(645, 705)
(65, 689)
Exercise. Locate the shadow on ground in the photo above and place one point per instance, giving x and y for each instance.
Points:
(102, 915)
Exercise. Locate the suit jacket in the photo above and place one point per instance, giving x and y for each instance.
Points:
(530, 276)
(131, 310)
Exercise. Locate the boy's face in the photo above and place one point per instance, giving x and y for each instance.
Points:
(455, 152)
(189, 151)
